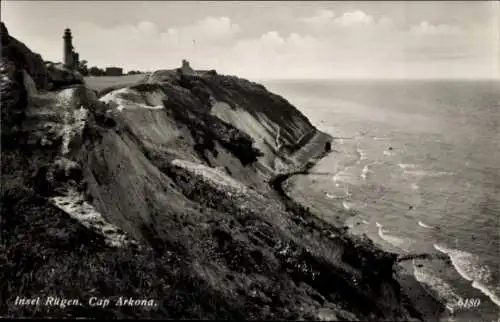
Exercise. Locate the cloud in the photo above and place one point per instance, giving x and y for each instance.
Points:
(271, 38)
(320, 17)
(275, 55)
(147, 45)
(206, 31)
(209, 29)
(272, 43)
(385, 22)
(302, 41)
(426, 28)
(147, 27)
(349, 27)
(326, 18)
(354, 18)
(440, 42)
(216, 27)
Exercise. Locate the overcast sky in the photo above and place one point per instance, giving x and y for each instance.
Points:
(427, 39)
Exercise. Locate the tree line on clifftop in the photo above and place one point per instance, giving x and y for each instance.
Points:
(83, 69)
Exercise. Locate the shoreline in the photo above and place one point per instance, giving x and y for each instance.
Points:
(429, 296)
(414, 297)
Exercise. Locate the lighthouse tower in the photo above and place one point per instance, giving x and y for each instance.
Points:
(68, 49)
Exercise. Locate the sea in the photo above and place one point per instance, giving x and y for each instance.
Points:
(416, 165)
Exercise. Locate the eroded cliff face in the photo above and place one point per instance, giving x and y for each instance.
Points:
(160, 190)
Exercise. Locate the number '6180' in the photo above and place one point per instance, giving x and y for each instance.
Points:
(469, 303)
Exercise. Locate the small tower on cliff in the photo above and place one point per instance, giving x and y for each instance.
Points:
(186, 68)
(68, 55)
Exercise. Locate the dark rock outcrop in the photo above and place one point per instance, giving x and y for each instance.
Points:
(61, 77)
(15, 52)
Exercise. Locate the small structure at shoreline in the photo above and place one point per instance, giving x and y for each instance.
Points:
(328, 146)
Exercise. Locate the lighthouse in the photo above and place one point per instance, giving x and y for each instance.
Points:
(68, 55)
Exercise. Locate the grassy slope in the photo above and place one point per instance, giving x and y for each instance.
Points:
(200, 242)
(104, 84)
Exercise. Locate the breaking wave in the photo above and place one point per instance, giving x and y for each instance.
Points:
(395, 241)
(416, 170)
(344, 177)
(485, 290)
(364, 172)
(407, 165)
(421, 224)
(425, 173)
(470, 268)
(347, 205)
(330, 196)
(438, 288)
(388, 153)
(362, 154)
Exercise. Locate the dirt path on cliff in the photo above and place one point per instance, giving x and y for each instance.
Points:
(107, 83)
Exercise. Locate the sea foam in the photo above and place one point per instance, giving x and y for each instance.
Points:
(398, 242)
(485, 290)
(388, 153)
(439, 289)
(407, 166)
(421, 224)
(364, 172)
(425, 173)
(471, 269)
(344, 178)
(347, 205)
(361, 153)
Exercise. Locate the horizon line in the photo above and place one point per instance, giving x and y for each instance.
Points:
(379, 78)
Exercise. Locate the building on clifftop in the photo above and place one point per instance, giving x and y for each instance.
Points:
(114, 71)
(186, 68)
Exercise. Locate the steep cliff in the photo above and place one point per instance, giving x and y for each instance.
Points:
(161, 190)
